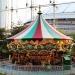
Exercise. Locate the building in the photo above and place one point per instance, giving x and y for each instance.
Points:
(64, 21)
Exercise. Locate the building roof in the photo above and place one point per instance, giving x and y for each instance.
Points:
(60, 16)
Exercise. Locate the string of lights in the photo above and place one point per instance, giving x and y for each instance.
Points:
(46, 5)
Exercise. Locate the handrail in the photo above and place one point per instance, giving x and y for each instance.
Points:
(31, 67)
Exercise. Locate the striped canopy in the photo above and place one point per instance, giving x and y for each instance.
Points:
(40, 29)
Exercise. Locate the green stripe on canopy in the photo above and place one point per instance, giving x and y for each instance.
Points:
(32, 31)
(51, 32)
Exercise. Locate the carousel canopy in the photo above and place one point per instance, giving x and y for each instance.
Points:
(40, 29)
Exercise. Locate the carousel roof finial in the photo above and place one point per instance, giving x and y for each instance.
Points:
(39, 10)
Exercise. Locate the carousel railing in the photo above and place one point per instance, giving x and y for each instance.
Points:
(31, 68)
(37, 68)
(13, 69)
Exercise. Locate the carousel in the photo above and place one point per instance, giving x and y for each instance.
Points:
(39, 44)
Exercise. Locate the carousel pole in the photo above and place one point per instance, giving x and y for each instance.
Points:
(31, 10)
(11, 13)
(39, 12)
(54, 5)
(11, 22)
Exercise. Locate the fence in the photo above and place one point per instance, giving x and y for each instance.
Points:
(35, 70)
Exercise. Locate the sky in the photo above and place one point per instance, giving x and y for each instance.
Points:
(60, 1)
(21, 3)
(24, 15)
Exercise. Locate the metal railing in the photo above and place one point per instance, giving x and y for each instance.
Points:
(31, 68)
(10, 69)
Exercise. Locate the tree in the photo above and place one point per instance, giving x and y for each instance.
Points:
(73, 48)
(2, 33)
(16, 30)
(62, 31)
(73, 35)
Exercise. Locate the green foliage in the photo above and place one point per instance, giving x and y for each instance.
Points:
(3, 49)
(16, 30)
(62, 31)
(73, 35)
(2, 33)
(4, 52)
(2, 74)
(73, 50)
